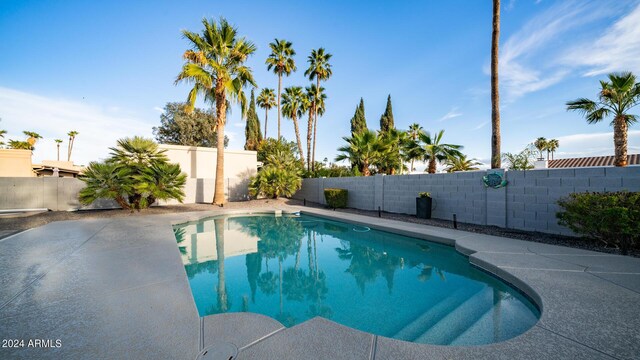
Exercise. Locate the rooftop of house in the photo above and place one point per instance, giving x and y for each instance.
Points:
(633, 159)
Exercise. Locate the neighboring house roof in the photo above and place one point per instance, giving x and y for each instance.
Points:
(590, 161)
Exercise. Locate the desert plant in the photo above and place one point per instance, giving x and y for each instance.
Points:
(520, 161)
(135, 176)
(273, 182)
(612, 218)
(424, 194)
(320, 70)
(282, 63)
(72, 139)
(336, 198)
(266, 100)
(461, 163)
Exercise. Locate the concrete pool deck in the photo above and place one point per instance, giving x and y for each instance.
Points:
(117, 288)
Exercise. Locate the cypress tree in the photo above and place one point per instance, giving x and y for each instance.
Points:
(358, 121)
(252, 132)
(386, 120)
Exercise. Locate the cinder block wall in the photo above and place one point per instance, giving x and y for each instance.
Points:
(528, 202)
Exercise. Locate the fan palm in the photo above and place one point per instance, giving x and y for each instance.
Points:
(410, 146)
(320, 70)
(552, 146)
(391, 160)
(363, 149)
(495, 95)
(433, 150)
(461, 163)
(266, 100)
(58, 142)
(281, 61)
(541, 144)
(294, 105)
(316, 101)
(215, 67)
(72, 138)
(616, 98)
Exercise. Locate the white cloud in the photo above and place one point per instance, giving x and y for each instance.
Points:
(158, 109)
(529, 59)
(481, 125)
(596, 144)
(453, 113)
(98, 127)
(618, 49)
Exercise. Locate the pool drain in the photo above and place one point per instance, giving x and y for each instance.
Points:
(219, 351)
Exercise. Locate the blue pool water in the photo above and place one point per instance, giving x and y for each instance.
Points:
(293, 268)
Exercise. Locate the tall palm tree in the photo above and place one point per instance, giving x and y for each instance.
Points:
(316, 100)
(281, 61)
(363, 149)
(215, 67)
(320, 70)
(552, 146)
(410, 154)
(433, 150)
(266, 100)
(58, 142)
(461, 163)
(72, 138)
(616, 98)
(495, 95)
(541, 144)
(294, 105)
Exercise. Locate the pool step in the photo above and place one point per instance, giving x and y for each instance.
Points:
(434, 314)
(481, 332)
(456, 322)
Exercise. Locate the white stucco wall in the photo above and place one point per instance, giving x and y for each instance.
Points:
(200, 162)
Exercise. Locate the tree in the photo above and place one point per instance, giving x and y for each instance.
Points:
(266, 100)
(391, 160)
(386, 120)
(434, 151)
(461, 163)
(552, 146)
(72, 138)
(522, 160)
(320, 70)
(316, 99)
(495, 95)
(135, 176)
(411, 147)
(215, 67)
(280, 174)
(281, 61)
(616, 98)
(58, 142)
(29, 144)
(358, 121)
(294, 105)
(252, 132)
(363, 149)
(541, 144)
(194, 128)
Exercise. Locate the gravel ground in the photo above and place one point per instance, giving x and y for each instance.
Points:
(11, 224)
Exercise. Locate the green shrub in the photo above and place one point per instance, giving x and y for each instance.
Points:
(336, 198)
(272, 182)
(424, 194)
(612, 218)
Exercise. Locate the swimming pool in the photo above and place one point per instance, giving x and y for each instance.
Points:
(293, 268)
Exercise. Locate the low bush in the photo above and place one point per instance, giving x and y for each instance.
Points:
(612, 218)
(336, 198)
(273, 182)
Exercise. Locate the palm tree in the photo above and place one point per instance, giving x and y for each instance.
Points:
(72, 138)
(58, 142)
(616, 98)
(363, 149)
(495, 96)
(316, 100)
(215, 67)
(410, 154)
(552, 146)
(433, 150)
(541, 144)
(319, 69)
(32, 138)
(281, 61)
(266, 100)
(294, 105)
(461, 163)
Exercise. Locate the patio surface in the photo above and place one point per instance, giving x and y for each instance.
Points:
(117, 288)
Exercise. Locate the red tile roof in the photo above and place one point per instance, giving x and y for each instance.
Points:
(591, 161)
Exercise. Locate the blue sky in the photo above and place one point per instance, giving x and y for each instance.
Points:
(106, 68)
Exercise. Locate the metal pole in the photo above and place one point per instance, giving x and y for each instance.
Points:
(305, 201)
(379, 212)
(455, 221)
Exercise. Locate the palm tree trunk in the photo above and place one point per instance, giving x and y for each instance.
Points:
(295, 126)
(365, 169)
(58, 152)
(495, 96)
(309, 129)
(313, 156)
(620, 140)
(432, 166)
(266, 118)
(223, 304)
(411, 170)
(279, 91)
(221, 113)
